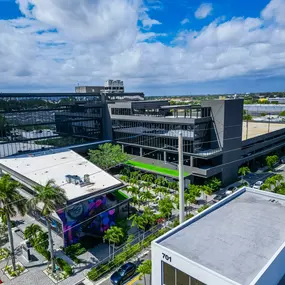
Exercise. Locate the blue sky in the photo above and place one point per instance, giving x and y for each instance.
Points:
(161, 47)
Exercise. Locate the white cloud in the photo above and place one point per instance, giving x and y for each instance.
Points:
(275, 10)
(204, 10)
(184, 21)
(62, 43)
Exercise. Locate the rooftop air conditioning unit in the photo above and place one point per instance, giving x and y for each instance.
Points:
(86, 178)
(68, 178)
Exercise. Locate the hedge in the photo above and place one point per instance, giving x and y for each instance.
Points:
(122, 257)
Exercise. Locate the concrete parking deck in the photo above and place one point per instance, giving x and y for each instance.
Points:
(256, 129)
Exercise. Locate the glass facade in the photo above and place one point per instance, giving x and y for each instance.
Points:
(174, 276)
(30, 122)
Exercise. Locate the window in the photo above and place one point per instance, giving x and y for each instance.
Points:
(173, 276)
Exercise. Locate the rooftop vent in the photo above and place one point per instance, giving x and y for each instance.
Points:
(86, 178)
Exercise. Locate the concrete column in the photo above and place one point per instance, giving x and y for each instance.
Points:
(141, 152)
(164, 157)
(123, 148)
(191, 161)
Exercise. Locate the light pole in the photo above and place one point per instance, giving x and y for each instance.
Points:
(181, 178)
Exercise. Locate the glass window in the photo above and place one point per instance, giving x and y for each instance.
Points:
(168, 274)
(181, 278)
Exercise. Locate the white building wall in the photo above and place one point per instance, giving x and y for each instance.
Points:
(273, 272)
(161, 254)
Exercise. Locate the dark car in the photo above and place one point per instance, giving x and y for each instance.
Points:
(124, 273)
(220, 197)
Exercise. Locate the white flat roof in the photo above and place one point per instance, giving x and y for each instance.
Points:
(56, 164)
(236, 237)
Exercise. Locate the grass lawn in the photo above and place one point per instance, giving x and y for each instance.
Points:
(157, 169)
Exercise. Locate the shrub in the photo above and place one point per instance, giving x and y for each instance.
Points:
(67, 269)
(64, 266)
(93, 274)
(203, 208)
(44, 252)
(74, 250)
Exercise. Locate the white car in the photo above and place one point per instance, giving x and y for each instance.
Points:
(257, 185)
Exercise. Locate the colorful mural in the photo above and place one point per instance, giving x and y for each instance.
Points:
(77, 219)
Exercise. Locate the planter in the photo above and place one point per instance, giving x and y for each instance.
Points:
(4, 253)
(57, 276)
(8, 270)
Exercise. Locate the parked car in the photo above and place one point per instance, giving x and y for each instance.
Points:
(123, 273)
(219, 198)
(257, 185)
(231, 190)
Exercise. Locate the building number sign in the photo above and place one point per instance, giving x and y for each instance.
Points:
(166, 257)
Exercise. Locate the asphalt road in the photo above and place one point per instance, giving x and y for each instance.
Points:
(135, 279)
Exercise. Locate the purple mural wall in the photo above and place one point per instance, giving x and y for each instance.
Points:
(78, 219)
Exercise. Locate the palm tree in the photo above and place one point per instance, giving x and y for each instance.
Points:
(146, 196)
(114, 235)
(161, 181)
(138, 221)
(11, 202)
(52, 197)
(165, 207)
(243, 171)
(144, 268)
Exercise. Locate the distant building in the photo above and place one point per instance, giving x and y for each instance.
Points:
(279, 100)
(237, 241)
(113, 86)
(110, 87)
(89, 89)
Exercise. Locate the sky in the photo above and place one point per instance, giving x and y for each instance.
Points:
(159, 47)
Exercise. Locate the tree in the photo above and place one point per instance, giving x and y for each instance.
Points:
(244, 170)
(207, 190)
(144, 269)
(124, 178)
(273, 183)
(51, 197)
(146, 196)
(161, 181)
(135, 174)
(139, 221)
(11, 203)
(214, 183)
(271, 161)
(165, 207)
(247, 117)
(107, 155)
(31, 232)
(148, 178)
(194, 190)
(114, 235)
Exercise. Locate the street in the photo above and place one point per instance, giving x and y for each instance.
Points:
(135, 279)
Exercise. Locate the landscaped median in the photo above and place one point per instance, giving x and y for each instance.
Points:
(154, 168)
(129, 252)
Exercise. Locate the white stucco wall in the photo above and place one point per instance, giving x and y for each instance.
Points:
(189, 267)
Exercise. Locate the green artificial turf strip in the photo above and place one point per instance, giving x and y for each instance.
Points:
(154, 168)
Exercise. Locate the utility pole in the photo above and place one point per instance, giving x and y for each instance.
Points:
(181, 178)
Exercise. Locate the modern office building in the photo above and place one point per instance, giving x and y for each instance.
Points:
(30, 122)
(216, 143)
(39, 121)
(238, 241)
(94, 200)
